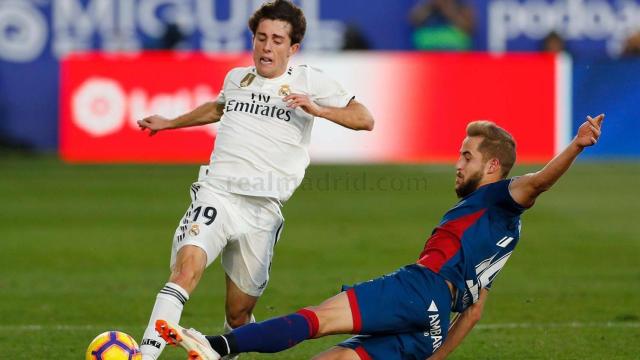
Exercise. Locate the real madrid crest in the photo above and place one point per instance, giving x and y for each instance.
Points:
(284, 90)
(247, 80)
(195, 230)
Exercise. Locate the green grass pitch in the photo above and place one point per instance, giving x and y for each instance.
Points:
(84, 249)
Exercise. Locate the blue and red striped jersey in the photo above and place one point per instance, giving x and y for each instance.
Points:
(474, 240)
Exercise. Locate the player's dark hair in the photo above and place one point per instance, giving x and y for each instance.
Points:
(497, 143)
(283, 10)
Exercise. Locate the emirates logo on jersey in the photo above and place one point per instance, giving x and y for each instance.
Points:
(262, 107)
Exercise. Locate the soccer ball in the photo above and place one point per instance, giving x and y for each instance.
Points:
(113, 345)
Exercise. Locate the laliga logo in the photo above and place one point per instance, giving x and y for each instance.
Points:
(101, 107)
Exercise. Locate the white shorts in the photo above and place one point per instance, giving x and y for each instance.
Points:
(244, 228)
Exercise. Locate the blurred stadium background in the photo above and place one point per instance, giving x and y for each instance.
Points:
(89, 203)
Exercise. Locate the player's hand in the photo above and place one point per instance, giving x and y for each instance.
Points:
(304, 102)
(589, 132)
(154, 123)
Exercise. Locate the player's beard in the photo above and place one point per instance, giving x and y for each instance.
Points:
(470, 185)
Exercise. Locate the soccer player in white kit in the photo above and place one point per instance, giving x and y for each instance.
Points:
(266, 113)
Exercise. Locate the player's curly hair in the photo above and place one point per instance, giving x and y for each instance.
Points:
(283, 10)
(497, 143)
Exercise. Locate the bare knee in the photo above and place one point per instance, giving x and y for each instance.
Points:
(328, 324)
(334, 316)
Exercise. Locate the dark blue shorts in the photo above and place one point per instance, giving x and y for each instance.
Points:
(402, 315)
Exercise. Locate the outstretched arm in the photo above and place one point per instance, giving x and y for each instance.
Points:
(525, 189)
(206, 113)
(353, 116)
(461, 327)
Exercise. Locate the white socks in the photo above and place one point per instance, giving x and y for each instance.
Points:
(169, 304)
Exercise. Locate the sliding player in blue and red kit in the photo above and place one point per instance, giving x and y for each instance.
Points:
(405, 314)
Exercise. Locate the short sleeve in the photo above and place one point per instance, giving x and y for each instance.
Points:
(325, 91)
(499, 195)
(221, 98)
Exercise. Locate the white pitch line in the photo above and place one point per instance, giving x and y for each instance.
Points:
(36, 327)
(498, 326)
(574, 324)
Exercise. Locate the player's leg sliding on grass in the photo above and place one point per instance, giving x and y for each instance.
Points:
(270, 336)
(392, 313)
(274, 335)
(405, 315)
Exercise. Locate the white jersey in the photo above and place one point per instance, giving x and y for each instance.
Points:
(262, 145)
